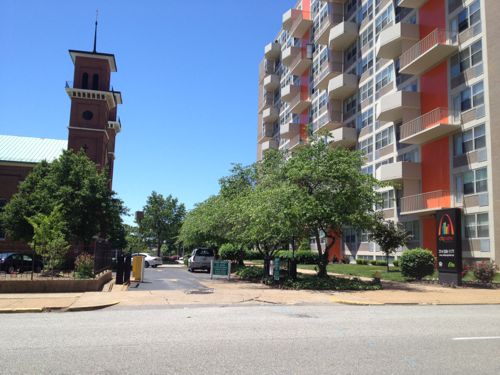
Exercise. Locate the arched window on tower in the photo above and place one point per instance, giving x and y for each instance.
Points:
(95, 82)
(85, 81)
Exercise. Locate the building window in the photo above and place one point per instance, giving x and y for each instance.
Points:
(365, 91)
(467, 58)
(413, 228)
(95, 82)
(467, 17)
(350, 105)
(85, 81)
(3, 202)
(470, 140)
(384, 77)
(349, 235)
(383, 138)
(366, 146)
(387, 200)
(365, 119)
(365, 64)
(477, 226)
(410, 156)
(385, 18)
(475, 182)
(365, 236)
(367, 170)
(470, 97)
(384, 162)
(365, 12)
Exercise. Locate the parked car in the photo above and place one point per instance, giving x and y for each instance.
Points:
(14, 262)
(149, 260)
(201, 259)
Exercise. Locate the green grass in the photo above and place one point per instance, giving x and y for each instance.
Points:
(361, 271)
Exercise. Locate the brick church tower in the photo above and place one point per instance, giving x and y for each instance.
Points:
(93, 123)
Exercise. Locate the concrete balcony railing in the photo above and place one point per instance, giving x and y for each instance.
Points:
(399, 171)
(395, 105)
(342, 86)
(290, 129)
(428, 127)
(272, 51)
(327, 71)
(267, 101)
(297, 22)
(271, 82)
(296, 142)
(343, 35)
(322, 34)
(299, 103)
(425, 203)
(328, 120)
(428, 52)
(297, 59)
(395, 39)
(270, 114)
(414, 4)
(343, 137)
(289, 91)
(266, 68)
(269, 144)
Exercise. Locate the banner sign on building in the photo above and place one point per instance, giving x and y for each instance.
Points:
(449, 246)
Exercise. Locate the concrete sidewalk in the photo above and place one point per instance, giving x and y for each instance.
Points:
(222, 292)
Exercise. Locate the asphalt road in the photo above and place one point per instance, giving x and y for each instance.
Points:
(334, 339)
(170, 278)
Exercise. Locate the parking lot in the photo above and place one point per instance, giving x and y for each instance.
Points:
(168, 277)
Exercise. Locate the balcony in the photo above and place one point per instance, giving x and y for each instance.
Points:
(299, 103)
(266, 133)
(269, 144)
(343, 35)
(329, 120)
(395, 39)
(266, 68)
(297, 60)
(297, 22)
(112, 98)
(272, 51)
(271, 82)
(328, 71)
(428, 52)
(425, 203)
(431, 126)
(295, 142)
(393, 105)
(267, 101)
(322, 34)
(342, 86)
(398, 172)
(289, 92)
(270, 114)
(414, 4)
(343, 137)
(290, 129)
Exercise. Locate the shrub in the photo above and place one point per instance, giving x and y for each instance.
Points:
(301, 256)
(231, 252)
(395, 263)
(373, 262)
(417, 263)
(330, 283)
(363, 262)
(335, 259)
(250, 273)
(381, 263)
(84, 266)
(485, 271)
(346, 259)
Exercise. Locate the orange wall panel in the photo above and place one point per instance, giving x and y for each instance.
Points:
(432, 15)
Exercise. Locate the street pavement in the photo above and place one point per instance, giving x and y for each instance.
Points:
(170, 278)
(272, 339)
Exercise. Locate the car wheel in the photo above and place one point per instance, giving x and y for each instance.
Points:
(146, 264)
(11, 269)
(155, 266)
(190, 270)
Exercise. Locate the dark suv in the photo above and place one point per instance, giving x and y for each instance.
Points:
(13, 262)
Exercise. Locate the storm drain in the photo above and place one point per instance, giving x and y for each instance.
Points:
(200, 291)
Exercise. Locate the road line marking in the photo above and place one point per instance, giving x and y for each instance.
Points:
(476, 338)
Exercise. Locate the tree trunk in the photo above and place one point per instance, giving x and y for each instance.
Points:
(387, 261)
(321, 258)
(158, 251)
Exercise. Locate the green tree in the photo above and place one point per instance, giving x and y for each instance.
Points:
(73, 183)
(162, 220)
(335, 193)
(134, 244)
(390, 236)
(48, 238)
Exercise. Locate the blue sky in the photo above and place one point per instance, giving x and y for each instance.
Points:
(188, 72)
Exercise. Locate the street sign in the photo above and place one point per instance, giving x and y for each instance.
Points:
(220, 269)
(449, 246)
(276, 270)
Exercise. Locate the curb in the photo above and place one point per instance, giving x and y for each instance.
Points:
(356, 303)
(22, 310)
(90, 308)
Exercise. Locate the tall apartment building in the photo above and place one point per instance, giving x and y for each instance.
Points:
(411, 84)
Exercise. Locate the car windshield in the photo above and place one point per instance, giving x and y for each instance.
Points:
(4, 255)
(205, 252)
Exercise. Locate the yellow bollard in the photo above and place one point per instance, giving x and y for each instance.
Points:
(138, 268)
